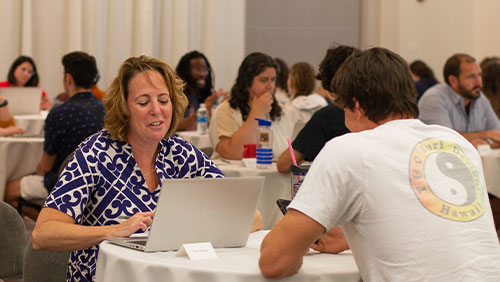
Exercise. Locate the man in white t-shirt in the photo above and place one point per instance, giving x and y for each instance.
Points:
(410, 198)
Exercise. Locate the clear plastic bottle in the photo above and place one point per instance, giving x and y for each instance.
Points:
(202, 119)
(264, 143)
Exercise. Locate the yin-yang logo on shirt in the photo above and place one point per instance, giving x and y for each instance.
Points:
(445, 180)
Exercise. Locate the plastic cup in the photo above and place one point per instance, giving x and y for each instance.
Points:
(249, 150)
(297, 177)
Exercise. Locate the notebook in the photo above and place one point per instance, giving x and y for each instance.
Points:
(23, 100)
(219, 211)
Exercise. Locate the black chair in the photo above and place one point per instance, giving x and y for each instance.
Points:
(12, 242)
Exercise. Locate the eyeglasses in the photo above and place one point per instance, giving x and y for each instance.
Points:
(30, 72)
(201, 71)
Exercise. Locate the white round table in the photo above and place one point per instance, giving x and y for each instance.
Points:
(19, 156)
(116, 263)
(193, 137)
(491, 167)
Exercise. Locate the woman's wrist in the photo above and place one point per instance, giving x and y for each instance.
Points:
(4, 103)
(254, 114)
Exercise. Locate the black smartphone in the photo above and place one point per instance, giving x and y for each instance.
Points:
(282, 204)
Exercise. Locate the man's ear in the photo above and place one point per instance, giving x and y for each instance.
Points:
(453, 81)
(358, 110)
(68, 79)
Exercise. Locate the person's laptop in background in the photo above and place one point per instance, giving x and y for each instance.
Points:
(219, 211)
(23, 100)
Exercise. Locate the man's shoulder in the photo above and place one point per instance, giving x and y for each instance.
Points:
(57, 112)
(439, 93)
(328, 111)
(330, 115)
(439, 89)
(86, 97)
(61, 111)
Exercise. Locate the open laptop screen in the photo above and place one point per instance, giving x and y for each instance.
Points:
(219, 211)
(23, 100)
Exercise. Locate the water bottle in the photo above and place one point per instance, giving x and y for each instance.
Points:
(264, 143)
(202, 119)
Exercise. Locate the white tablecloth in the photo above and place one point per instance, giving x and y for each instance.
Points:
(491, 167)
(32, 124)
(117, 263)
(276, 186)
(19, 156)
(199, 141)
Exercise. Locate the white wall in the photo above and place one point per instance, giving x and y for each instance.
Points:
(112, 30)
(297, 30)
(433, 30)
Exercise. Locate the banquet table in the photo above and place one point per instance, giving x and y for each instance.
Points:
(198, 140)
(116, 263)
(490, 159)
(276, 186)
(19, 156)
(32, 124)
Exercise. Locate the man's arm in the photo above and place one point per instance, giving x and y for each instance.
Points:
(285, 160)
(332, 241)
(45, 164)
(282, 249)
(491, 137)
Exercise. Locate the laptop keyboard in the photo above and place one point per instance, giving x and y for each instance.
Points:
(142, 242)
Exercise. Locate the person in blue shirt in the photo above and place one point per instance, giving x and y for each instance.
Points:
(423, 76)
(460, 105)
(65, 127)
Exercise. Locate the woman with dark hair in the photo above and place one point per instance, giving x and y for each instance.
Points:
(196, 71)
(423, 77)
(22, 73)
(252, 96)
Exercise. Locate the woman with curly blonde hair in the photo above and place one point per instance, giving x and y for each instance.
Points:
(117, 172)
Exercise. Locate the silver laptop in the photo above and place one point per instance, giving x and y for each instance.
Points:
(219, 211)
(23, 100)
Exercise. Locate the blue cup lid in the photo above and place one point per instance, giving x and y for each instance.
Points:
(263, 122)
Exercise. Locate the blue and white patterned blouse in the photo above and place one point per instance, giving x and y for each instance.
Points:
(102, 182)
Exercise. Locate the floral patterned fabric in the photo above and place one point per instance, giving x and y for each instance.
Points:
(102, 182)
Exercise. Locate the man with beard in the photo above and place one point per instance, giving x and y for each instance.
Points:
(460, 105)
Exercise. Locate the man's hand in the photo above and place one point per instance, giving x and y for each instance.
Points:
(486, 137)
(209, 101)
